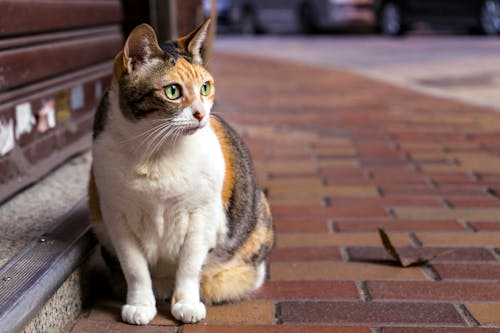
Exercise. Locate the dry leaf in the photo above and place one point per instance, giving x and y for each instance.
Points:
(391, 250)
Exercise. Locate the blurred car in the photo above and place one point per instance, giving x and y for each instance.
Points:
(395, 17)
(226, 11)
(256, 16)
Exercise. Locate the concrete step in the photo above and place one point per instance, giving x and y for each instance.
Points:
(41, 288)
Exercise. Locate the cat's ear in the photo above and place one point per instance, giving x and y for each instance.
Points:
(194, 42)
(140, 47)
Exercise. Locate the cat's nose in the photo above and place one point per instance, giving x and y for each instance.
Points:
(198, 115)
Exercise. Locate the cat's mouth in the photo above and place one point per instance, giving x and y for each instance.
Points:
(189, 130)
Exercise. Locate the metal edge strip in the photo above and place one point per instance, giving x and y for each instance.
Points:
(33, 276)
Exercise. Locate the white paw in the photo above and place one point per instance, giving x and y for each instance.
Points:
(138, 314)
(189, 313)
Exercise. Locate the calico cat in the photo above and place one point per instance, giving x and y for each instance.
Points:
(173, 194)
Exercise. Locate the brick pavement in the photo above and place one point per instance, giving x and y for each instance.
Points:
(340, 155)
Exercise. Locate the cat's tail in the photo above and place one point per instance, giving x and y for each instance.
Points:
(231, 281)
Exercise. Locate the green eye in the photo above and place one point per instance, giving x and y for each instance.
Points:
(173, 91)
(205, 88)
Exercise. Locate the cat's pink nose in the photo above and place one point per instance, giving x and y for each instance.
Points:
(198, 115)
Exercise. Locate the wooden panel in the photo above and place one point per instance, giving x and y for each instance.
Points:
(24, 65)
(55, 64)
(28, 16)
(72, 100)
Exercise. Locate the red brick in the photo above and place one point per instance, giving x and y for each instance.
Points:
(457, 254)
(397, 225)
(301, 225)
(329, 212)
(369, 313)
(471, 191)
(439, 330)
(387, 202)
(460, 178)
(200, 328)
(99, 326)
(481, 226)
(307, 290)
(473, 271)
(434, 291)
(474, 202)
(305, 254)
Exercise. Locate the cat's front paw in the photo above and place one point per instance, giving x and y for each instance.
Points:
(189, 312)
(138, 314)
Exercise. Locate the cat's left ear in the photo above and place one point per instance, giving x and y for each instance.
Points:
(194, 42)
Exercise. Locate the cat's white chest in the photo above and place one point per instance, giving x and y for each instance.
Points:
(159, 199)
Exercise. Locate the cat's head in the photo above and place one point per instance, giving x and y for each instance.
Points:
(165, 86)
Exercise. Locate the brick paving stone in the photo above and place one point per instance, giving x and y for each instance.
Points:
(480, 162)
(87, 325)
(456, 254)
(477, 214)
(388, 202)
(291, 190)
(463, 239)
(472, 192)
(434, 291)
(311, 271)
(486, 226)
(370, 313)
(305, 254)
(200, 328)
(474, 202)
(439, 330)
(461, 178)
(331, 212)
(284, 226)
(297, 201)
(471, 271)
(337, 239)
(485, 313)
(242, 313)
(307, 290)
(398, 225)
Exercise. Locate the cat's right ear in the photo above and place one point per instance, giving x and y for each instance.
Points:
(140, 47)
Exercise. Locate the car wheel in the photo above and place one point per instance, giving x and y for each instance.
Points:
(489, 19)
(307, 20)
(391, 19)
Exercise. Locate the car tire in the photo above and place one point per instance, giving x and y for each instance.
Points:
(390, 19)
(489, 18)
(307, 19)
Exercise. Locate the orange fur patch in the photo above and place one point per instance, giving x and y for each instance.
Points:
(230, 282)
(260, 236)
(229, 177)
(93, 200)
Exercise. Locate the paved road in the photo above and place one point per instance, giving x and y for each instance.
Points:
(466, 68)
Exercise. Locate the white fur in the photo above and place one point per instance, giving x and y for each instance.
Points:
(160, 217)
(261, 276)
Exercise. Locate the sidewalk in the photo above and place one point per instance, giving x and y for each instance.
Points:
(341, 155)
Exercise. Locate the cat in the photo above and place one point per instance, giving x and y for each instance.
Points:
(173, 195)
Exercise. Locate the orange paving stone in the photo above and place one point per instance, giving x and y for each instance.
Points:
(485, 313)
(337, 163)
(310, 271)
